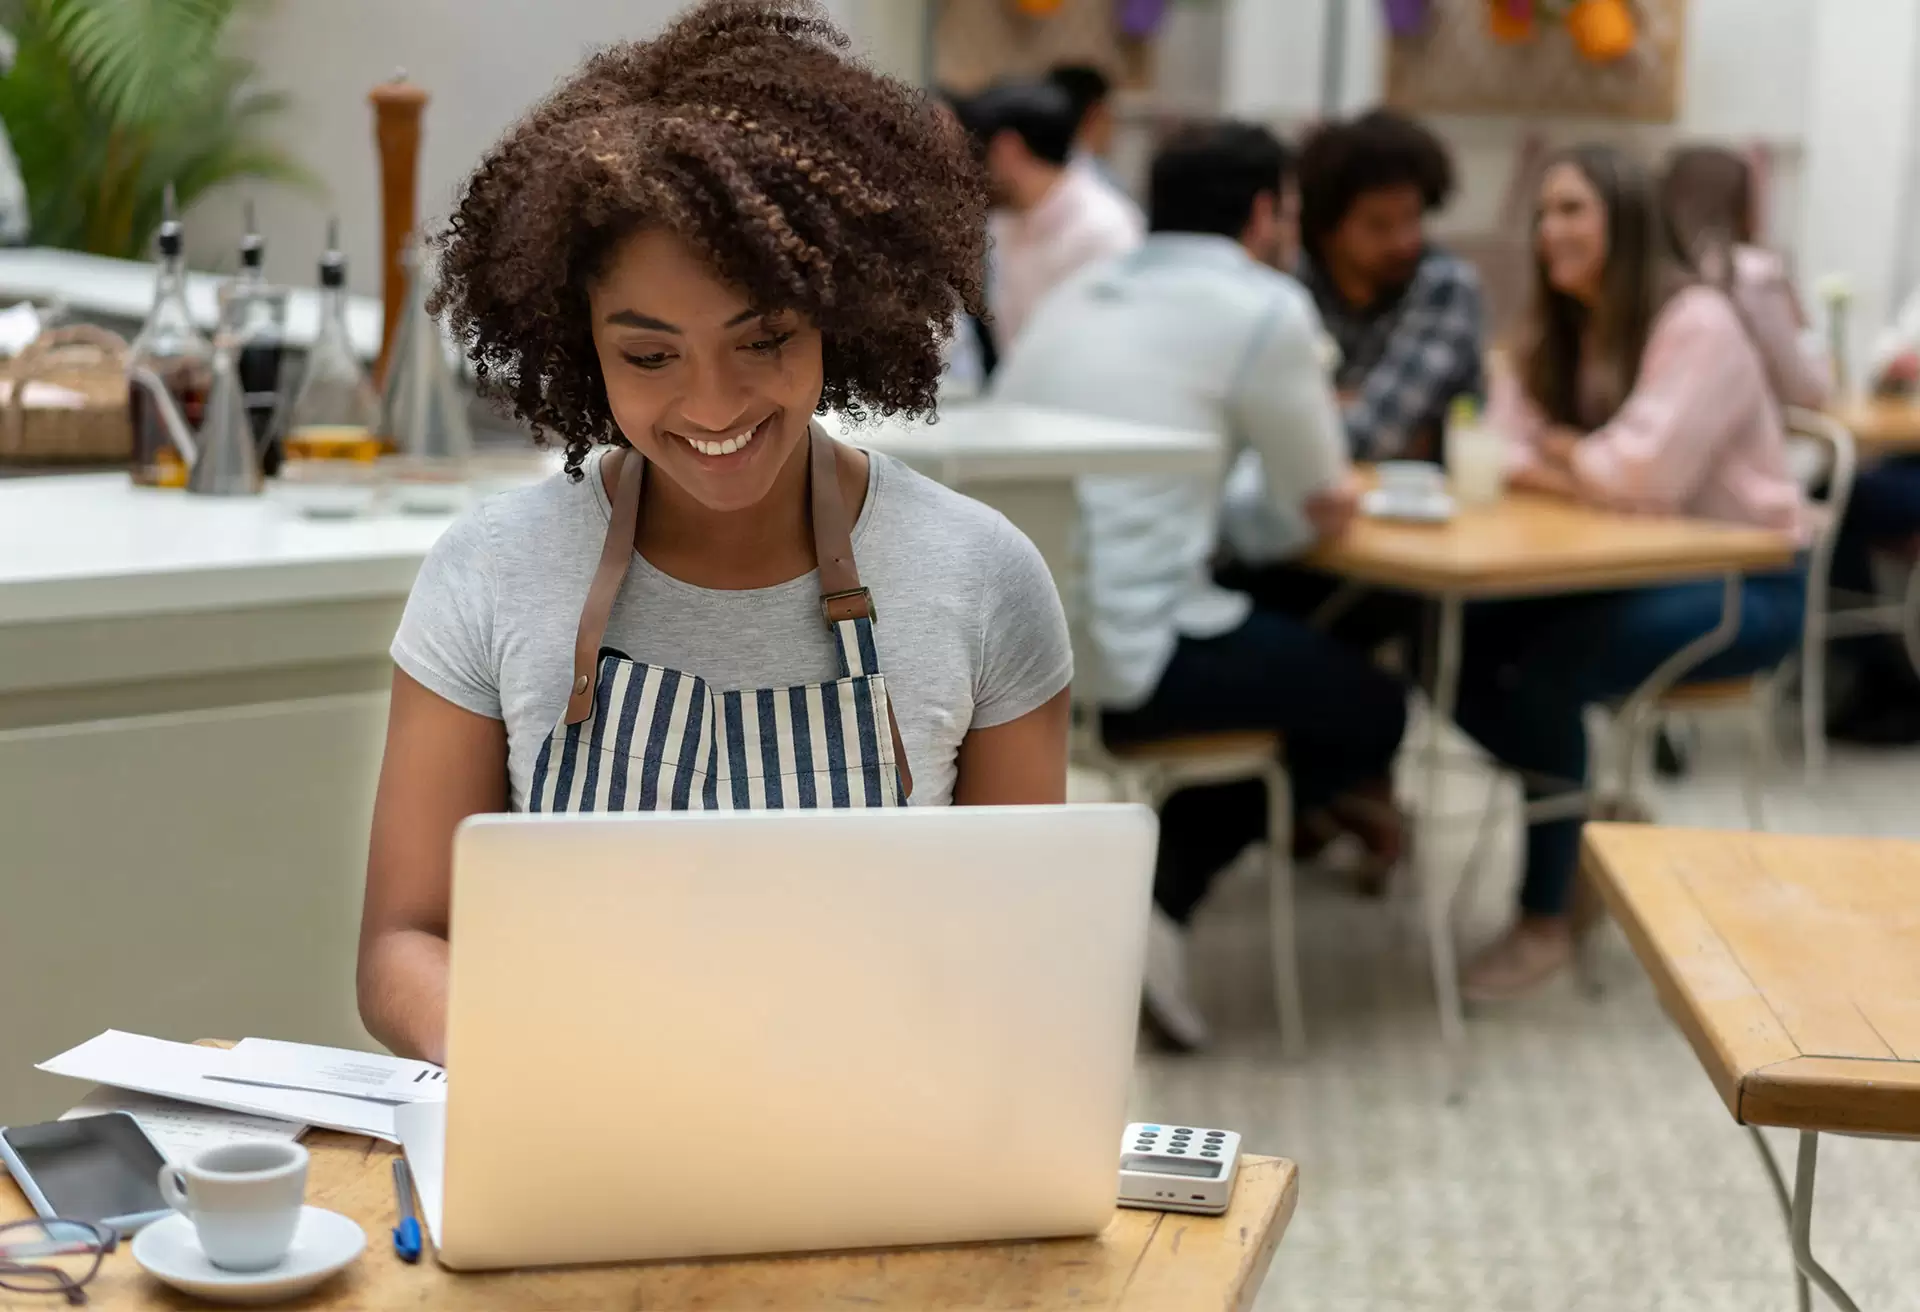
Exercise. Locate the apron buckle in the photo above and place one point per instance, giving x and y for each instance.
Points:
(863, 607)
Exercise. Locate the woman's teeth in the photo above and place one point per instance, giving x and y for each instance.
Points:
(727, 447)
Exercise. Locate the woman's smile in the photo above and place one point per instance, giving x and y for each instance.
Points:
(719, 448)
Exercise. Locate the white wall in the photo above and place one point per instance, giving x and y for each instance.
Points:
(1862, 116)
(1828, 84)
(483, 62)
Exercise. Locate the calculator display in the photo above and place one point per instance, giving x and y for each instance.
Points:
(1170, 1166)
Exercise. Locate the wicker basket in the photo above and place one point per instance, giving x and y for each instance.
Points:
(81, 358)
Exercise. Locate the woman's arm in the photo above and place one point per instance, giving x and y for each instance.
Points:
(1020, 763)
(1700, 379)
(1015, 748)
(442, 765)
(1512, 414)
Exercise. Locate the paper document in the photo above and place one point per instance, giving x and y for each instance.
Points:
(423, 1138)
(278, 1064)
(181, 1130)
(185, 1071)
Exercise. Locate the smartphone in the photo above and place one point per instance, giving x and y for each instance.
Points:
(93, 1168)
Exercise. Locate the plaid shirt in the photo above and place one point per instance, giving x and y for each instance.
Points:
(1405, 358)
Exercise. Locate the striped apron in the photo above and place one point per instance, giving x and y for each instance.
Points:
(638, 737)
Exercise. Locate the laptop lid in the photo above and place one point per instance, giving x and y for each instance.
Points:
(687, 1034)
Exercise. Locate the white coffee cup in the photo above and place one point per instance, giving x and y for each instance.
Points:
(244, 1200)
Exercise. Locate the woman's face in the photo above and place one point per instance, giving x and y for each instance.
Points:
(711, 390)
(1572, 233)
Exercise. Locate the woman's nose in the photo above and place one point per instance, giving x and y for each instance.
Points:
(714, 399)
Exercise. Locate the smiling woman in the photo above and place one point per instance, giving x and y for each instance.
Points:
(669, 267)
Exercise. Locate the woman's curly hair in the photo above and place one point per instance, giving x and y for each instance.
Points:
(803, 177)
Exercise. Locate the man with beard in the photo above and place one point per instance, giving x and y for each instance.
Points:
(1405, 314)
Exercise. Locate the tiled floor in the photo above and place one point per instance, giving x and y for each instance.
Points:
(1590, 1165)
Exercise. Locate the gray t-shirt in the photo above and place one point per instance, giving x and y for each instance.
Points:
(969, 627)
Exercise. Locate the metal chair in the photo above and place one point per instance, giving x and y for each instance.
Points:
(1151, 772)
(1831, 466)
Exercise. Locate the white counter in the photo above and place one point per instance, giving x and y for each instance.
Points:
(975, 444)
(192, 706)
(91, 546)
(94, 545)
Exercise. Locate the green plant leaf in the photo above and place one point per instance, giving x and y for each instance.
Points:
(110, 100)
(138, 57)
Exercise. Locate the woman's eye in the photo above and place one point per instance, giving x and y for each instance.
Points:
(767, 345)
(651, 360)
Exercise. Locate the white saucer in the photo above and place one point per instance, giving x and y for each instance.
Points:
(1435, 507)
(323, 1244)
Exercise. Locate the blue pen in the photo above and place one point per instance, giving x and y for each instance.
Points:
(406, 1235)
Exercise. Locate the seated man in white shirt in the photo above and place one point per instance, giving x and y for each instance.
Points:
(1050, 219)
(1198, 330)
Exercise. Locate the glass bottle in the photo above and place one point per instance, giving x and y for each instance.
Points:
(335, 412)
(173, 348)
(255, 313)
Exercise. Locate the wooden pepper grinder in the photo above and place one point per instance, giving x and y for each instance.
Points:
(397, 105)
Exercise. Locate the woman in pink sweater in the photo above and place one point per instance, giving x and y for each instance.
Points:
(1706, 193)
(1634, 387)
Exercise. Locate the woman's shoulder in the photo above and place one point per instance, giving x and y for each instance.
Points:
(1696, 310)
(545, 529)
(1757, 265)
(535, 512)
(941, 538)
(910, 507)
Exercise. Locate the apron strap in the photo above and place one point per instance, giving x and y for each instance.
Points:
(615, 553)
(843, 599)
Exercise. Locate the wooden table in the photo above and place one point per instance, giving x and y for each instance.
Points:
(1532, 545)
(1143, 1260)
(1792, 964)
(1881, 425)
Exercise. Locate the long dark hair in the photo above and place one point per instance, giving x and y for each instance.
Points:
(1707, 191)
(1706, 200)
(1642, 272)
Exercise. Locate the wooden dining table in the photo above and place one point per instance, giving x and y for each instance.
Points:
(1881, 425)
(1792, 965)
(1142, 1262)
(1530, 545)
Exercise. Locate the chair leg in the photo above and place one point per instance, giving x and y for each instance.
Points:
(1754, 769)
(1280, 912)
(1813, 697)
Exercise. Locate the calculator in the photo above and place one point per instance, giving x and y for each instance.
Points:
(1178, 1168)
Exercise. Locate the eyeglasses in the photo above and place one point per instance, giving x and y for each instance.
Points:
(53, 1257)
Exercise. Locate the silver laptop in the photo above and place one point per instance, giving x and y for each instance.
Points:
(696, 1034)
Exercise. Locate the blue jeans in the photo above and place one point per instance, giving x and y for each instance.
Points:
(1342, 720)
(1884, 509)
(1529, 670)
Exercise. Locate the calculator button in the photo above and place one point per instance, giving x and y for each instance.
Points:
(1209, 1153)
(1178, 1152)
(1216, 1134)
(1149, 1129)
